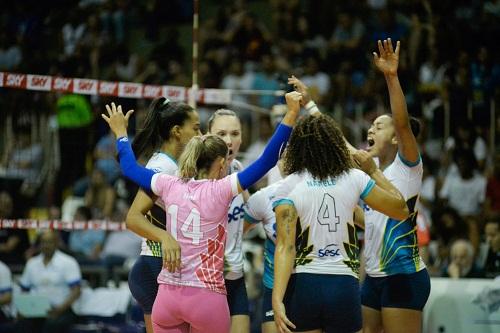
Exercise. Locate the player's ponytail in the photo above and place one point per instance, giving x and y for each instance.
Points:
(199, 155)
(162, 116)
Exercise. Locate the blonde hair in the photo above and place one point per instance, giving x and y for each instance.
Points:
(199, 155)
(218, 113)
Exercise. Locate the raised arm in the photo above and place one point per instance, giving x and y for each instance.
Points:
(387, 62)
(274, 147)
(128, 164)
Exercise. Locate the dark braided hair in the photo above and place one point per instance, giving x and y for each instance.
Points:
(317, 145)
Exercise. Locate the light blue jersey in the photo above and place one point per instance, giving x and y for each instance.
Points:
(260, 210)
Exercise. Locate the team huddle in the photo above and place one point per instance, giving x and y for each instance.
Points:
(189, 277)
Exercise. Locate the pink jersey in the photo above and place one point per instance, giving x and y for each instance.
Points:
(197, 218)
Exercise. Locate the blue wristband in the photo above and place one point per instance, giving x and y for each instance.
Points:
(129, 166)
(267, 159)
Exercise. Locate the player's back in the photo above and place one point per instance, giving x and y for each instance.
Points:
(326, 239)
(196, 214)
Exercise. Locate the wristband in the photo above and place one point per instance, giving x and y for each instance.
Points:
(311, 107)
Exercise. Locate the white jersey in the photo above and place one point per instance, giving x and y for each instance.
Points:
(390, 245)
(326, 241)
(162, 163)
(233, 257)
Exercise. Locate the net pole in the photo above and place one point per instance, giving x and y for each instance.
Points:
(194, 86)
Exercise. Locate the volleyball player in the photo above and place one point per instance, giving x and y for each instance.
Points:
(191, 293)
(226, 125)
(316, 237)
(397, 284)
(167, 128)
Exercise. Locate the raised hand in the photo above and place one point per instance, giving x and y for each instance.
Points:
(116, 120)
(293, 100)
(387, 60)
(300, 87)
(364, 161)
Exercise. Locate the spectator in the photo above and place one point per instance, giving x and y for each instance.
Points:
(492, 263)
(492, 202)
(447, 227)
(86, 245)
(5, 298)
(465, 192)
(346, 38)
(100, 196)
(56, 276)
(266, 79)
(74, 115)
(13, 242)
(10, 52)
(316, 80)
(462, 261)
(118, 247)
(105, 157)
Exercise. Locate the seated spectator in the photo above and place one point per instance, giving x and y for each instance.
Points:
(492, 264)
(316, 80)
(447, 227)
(119, 247)
(5, 298)
(86, 245)
(492, 202)
(13, 242)
(465, 192)
(56, 276)
(462, 261)
(105, 157)
(20, 168)
(100, 195)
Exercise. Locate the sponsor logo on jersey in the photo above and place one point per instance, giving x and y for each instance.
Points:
(330, 250)
(238, 213)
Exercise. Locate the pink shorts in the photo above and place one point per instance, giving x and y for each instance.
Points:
(179, 309)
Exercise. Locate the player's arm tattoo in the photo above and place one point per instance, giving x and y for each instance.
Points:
(287, 219)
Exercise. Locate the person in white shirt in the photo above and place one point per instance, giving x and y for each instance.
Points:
(5, 297)
(56, 276)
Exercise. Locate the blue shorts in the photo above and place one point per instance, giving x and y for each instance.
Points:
(142, 281)
(267, 304)
(404, 291)
(237, 298)
(328, 302)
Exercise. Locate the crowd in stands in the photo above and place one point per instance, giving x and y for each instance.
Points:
(57, 159)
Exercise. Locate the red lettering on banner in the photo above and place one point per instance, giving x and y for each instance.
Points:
(130, 90)
(62, 84)
(8, 224)
(174, 94)
(83, 86)
(27, 224)
(151, 91)
(96, 225)
(39, 81)
(79, 225)
(16, 80)
(108, 88)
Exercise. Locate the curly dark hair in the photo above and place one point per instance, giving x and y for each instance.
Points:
(317, 145)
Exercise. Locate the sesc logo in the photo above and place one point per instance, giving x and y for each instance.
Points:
(330, 250)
